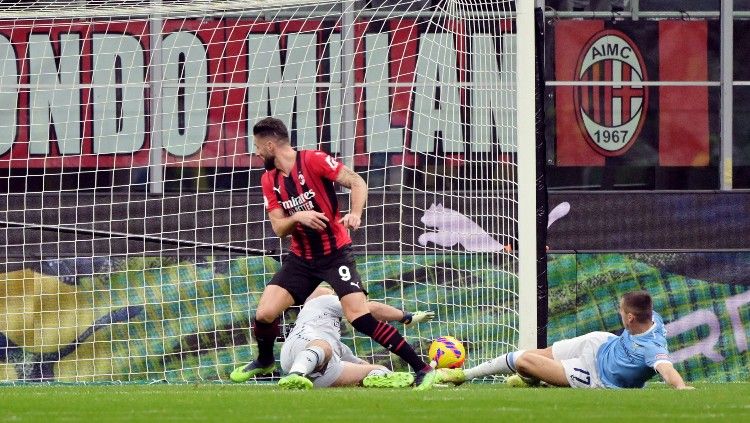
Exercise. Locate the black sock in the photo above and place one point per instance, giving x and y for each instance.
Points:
(265, 335)
(388, 336)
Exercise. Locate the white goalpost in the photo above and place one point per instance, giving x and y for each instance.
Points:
(526, 110)
(136, 244)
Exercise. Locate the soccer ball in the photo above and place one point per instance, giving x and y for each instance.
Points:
(448, 352)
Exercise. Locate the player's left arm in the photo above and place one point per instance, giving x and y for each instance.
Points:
(386, 313)
(358, 196)
(670, 375)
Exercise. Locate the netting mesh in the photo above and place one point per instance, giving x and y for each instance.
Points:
(136, 241)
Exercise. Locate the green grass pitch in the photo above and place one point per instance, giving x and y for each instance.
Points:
(472, 403)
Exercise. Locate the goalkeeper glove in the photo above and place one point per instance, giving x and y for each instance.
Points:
(417, 317)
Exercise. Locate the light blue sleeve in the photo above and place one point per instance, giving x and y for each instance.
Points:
(655, 353)
(661, 329)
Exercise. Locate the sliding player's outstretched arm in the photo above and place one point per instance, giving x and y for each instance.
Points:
(386, 313)
(671, 376)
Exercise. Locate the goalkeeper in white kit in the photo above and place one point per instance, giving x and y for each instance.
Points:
(314, 356)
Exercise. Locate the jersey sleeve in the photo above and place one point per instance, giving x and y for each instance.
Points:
(269, 198)
(655, 354)
(323, 165)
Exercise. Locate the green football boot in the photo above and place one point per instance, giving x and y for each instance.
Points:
(388, 380)
(295, 381)
(454, 376)
(425, 379)
(250, 370)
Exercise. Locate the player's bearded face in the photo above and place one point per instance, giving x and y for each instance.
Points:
(262, 149)
(269, 162)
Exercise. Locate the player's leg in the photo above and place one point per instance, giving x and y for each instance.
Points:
(266, 329)
(341, 273)
(274, 300)
(356, 311)
(546, 362)
(523, 381)
(289, 286)
(542, 368)
(503, 365)
(314, 357)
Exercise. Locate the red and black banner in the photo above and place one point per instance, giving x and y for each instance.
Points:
(610, 109)
(83, 94)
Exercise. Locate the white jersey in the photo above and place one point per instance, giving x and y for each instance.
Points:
(320, 319)
(323, 314)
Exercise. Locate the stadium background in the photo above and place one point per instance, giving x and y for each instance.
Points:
(650, 218)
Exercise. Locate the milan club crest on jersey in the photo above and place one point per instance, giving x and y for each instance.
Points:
(612, 112)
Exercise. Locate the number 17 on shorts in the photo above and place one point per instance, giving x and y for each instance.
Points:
(582, 376)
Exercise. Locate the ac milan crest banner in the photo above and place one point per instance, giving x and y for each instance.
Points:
(634, 93)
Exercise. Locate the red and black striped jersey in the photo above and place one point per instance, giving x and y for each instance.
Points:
(309, 186)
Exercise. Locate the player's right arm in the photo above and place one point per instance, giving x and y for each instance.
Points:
(283, 225)
(358, 196)
(671, 376)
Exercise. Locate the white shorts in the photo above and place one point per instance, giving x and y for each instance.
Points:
(578, 357)
(297, 342)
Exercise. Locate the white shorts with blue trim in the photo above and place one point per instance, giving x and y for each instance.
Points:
(578, 357)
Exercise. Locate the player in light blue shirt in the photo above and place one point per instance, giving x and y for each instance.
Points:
(628, 361)
(593, 360)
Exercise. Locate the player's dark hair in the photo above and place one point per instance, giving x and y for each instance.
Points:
(639, 304)
(271, 127)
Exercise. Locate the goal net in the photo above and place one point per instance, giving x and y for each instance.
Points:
(136, 244)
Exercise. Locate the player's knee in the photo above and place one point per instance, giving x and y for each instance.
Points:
(321, 351)
(547, 352)
(352, 315)
(266, 315)
(354, 305)
(524, 363)
(323, 345)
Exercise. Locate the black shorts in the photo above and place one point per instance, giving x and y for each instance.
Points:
(300, 277)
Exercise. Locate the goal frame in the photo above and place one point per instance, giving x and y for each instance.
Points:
(528, 194)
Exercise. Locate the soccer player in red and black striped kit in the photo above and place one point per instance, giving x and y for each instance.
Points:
(301, 202)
